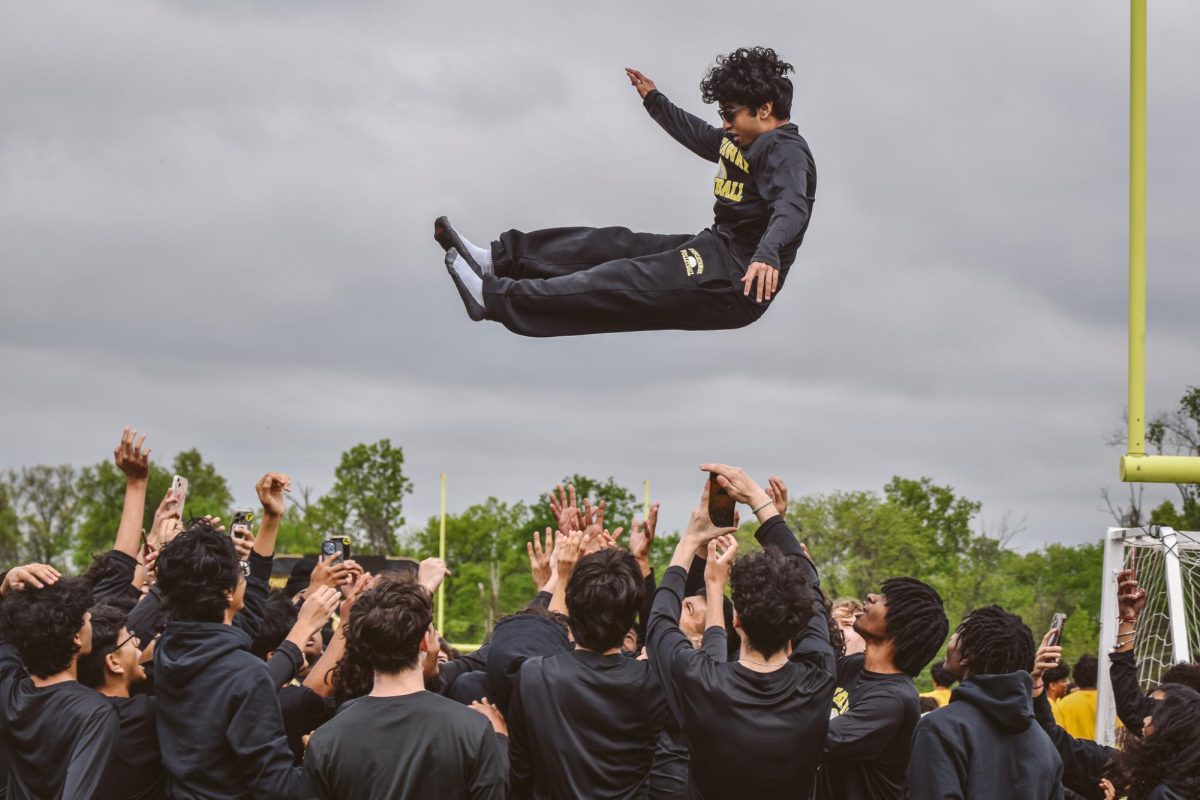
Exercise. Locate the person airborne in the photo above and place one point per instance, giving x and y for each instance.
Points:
(572, 281)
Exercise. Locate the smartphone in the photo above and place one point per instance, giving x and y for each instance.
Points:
(1056, 628)
(243, 518)
(179, 485)
(720, 503)
(339, 545)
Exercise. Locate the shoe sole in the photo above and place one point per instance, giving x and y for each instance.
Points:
(445, 235)
(474, 310)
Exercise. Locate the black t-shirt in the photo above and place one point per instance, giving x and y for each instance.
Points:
(58, 737)
(135, 770)
(870, 735)
(412, 746)
(584, 724)
(303, 710)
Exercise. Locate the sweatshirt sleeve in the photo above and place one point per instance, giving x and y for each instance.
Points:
(285, 663)
(145, 621)
(1133, 706)
(664, 640)
(1083, 761)
(814, 639)
(648, 587)
(258, 584)
(867, 728)
(689, 130)
(781, 175)
(256, 735)
(936, 771)
(89, 757)
(116, 582)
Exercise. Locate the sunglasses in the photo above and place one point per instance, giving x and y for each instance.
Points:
(729, 114)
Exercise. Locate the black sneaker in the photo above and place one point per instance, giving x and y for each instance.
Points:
(445, 235)
(474, 309)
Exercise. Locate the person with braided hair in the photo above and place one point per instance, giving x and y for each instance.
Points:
(573, 281)
(875, 706)
(986, 744)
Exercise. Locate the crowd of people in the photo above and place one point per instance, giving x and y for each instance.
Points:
(172, 669)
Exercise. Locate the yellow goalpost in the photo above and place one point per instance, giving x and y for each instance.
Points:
(1136, 465)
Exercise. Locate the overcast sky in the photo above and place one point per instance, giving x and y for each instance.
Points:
(215, 225)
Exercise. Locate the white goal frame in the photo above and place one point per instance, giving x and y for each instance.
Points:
(1168, 541)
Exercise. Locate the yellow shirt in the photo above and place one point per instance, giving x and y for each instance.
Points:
(1078, 711)
(941, 695)
(1058, 717)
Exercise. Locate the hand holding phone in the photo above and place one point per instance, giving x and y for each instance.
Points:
(1056, 629)
(720, 503)
(179, 489)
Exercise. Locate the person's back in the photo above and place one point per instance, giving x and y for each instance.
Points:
(419, 745)
(592, 723)
(58, 733)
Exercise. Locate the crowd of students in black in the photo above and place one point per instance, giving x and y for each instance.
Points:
(171, 669)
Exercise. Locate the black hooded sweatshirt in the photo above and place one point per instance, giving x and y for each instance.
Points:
(985, 745)
(219, 725)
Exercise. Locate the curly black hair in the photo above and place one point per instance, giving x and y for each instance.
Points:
(1056, 674)
(604, 594)
(940, 675)
(995, 642)
(916, 622)
(278, 618)
(1169, 755)
(1086, 671)
(772, 597)
(386, 625)
(1184, 674)
(750, 76)
(195, 569)
(107, 622)
(41, 624)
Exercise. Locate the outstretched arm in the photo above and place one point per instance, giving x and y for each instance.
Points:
(134, 461)
(1133, 706)
(689, 130)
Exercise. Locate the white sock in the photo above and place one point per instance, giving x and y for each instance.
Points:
(482, 255)
(468, 277)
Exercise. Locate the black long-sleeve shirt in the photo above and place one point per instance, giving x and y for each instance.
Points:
(583, 724)
(1084, 761)
(135, 771)
(870, 738)
(59, 737)
(764, 193)
(1133, 706)
(750, 733)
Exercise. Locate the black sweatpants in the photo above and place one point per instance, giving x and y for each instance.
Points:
(572, 281)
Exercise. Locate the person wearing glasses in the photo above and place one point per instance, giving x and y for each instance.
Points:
(113, 668)
(220, 729)
(572, 281)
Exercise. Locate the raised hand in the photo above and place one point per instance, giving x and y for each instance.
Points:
(351, 592)
(570, 550)
(565, 509)
(768, 281)
(130, 457)
(640, 82)
(700, 529)
(641, 537)
(539, 559)
(270, 489)
(243, 543)
(1047, 657)
(777, 491)
(318, 607)
(35, 576)
(1110, 791)
(735, 481)
(1131, 597)
(330, 571)
(721, 553)
(493, 714)
(431, 573)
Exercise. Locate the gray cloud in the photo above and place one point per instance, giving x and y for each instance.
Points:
(214, 224)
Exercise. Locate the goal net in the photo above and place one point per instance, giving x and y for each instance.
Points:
(1168, 629)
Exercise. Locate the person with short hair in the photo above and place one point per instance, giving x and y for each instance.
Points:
(585, 723)
(875, 705)
(1078, 709)
(755, 725)
(220, 728)
(401, 741)
(942, 682)
(1058, 683)
(58, 733)
(985, 744)
(572, 281)
(114, 669)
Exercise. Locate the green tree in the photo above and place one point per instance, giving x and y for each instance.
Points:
(485, 550)
(366, 502)
(10, 532)
(42, 502)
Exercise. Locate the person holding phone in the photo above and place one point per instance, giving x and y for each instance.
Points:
(572, 281)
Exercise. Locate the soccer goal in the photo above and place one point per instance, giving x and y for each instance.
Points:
(1168, 630)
